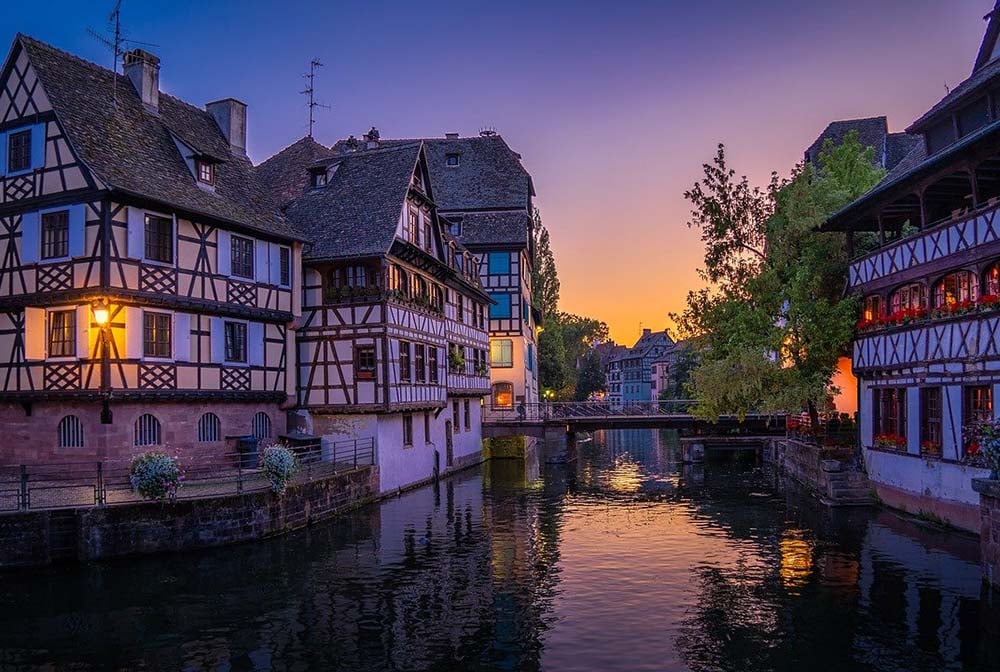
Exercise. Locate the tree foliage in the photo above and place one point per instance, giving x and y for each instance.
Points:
(544, 276)
(591, 377)
(773, 323)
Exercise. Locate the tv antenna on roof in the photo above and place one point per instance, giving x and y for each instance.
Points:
(310, 90)
(115, 41)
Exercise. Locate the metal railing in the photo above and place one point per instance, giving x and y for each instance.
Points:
(576, 410)
(104, 483)
(836, 430)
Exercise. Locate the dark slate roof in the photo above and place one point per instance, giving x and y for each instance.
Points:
(131, 150)
(489, 179)
(286, 174)
(509, 227)
(898, 146)
(357, 212)
(971, 86)
(871, 132)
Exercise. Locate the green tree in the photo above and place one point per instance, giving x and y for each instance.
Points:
(544, 276)
(552, 371)
(773, 324)
(684, 361)
(590, 378)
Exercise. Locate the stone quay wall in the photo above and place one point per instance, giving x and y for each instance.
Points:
(36, 538)
(989, 531)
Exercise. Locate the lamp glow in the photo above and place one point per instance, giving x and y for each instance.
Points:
(101, 312)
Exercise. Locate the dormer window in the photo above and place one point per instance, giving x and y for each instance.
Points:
(205, 171)
(319, 178)
(452, 160)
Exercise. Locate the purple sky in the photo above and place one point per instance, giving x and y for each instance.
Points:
(614, 106)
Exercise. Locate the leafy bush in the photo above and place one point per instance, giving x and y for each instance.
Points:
(279, 465)
(155, 475)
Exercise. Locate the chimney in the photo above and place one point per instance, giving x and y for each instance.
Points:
(647, 332)
(231, 116)
(371, 138)
(451, 136)
(143, 70)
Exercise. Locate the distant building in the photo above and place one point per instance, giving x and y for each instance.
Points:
(629, 372)
(660, 371)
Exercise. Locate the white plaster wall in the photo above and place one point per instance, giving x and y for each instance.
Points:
(932, 478)
(401, 466)
(470, 440)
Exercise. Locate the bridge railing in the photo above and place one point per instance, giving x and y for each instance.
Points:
(576, 410)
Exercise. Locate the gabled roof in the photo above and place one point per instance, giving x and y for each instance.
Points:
(872, 132)
(357, 212)
(489, 175)
(898, 146)
(286, 174)
(986, 67)
(131, 150)
(507, 227)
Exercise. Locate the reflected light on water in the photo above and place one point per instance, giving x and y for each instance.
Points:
(796, 560)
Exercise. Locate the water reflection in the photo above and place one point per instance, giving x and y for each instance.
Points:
(621, 559)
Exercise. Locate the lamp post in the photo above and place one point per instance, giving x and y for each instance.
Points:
(102, 318)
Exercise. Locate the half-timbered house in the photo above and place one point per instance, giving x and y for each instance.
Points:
(393, 338)
(485, 194)
(927, 353)
(146, 284)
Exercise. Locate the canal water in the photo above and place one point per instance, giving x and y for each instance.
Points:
(621, 560)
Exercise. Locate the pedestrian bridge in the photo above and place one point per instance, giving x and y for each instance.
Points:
(535, 419)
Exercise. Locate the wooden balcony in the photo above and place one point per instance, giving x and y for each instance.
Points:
(961, 239)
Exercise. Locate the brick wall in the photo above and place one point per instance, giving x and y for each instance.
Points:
(38, 538)
(33, 439)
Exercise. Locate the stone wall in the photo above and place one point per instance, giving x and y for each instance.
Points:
(33, 439)
(989, 532)
(42, 537)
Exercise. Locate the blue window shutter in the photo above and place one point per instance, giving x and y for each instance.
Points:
(38, 145)
(133, 332)
(218, 341)
(182, 337)
(77, 228)
(30, 245)
(3, 153)
(225, 251)
(501, 309)
(499, 263)
(255, 343)
(136, 232)
(261, 269)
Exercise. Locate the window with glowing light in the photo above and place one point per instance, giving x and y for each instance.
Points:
(908, 297)
(992, 280)
(956, 288)
(872, 308)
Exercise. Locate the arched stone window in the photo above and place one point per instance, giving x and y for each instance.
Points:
(955, 288)
(70, 432)
(147, 431)
(261, 426)
(209, 428)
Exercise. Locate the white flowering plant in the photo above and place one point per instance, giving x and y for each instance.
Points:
(155, 475)
(986, 445)
(279, 465)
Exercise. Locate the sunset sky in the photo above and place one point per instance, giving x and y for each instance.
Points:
(613, 106)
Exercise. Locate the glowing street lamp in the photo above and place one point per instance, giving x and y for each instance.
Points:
(101, 312)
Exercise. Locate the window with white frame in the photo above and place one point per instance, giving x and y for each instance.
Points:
(156, 336)
(62, 333)
(236, 342)
(159, 239)
(241, 261)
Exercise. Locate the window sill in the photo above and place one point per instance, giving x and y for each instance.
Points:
(245, 365)
(155, 262)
